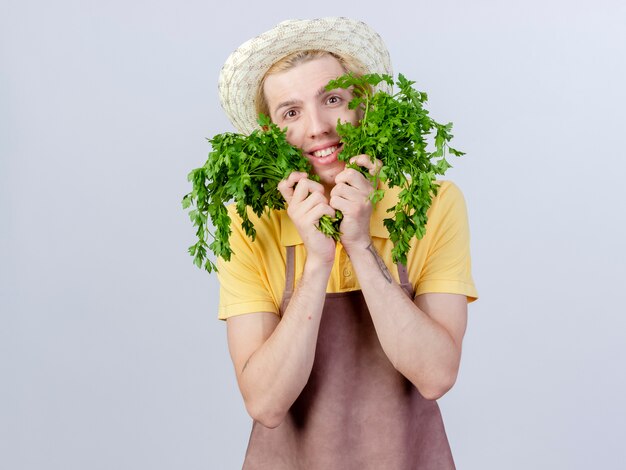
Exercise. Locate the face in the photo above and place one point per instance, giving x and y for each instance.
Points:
(297, 100)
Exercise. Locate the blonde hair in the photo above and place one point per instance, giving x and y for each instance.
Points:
(348, 63)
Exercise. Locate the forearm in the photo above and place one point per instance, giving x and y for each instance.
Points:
(418, 347)
(274, 376)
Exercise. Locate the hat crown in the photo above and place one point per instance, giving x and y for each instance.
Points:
(245, 67)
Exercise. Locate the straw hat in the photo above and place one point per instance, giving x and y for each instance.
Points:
(244, 68)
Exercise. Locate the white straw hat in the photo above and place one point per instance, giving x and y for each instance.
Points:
(243, 70)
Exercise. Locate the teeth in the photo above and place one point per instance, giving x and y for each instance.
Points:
(324, 152)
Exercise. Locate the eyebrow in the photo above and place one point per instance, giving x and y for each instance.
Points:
(286, 104)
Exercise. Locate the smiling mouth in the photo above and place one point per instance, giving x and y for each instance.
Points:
(325, 152)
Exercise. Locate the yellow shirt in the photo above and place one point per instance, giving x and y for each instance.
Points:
(254, 278)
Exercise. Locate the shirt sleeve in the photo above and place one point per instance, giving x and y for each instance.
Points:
(243, 284)
(448, 264)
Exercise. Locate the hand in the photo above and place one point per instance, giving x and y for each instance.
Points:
(306, 204)
(351, 196)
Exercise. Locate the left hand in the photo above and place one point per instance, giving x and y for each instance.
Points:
(351, 196)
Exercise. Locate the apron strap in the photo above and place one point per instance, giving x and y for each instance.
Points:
(290, 275)
(403, 275)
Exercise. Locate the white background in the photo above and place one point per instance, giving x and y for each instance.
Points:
(111, 356)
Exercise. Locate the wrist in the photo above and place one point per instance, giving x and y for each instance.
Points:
(357, 248)
(369, 265)
(314, 265)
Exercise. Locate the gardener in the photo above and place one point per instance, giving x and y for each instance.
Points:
(339, 353)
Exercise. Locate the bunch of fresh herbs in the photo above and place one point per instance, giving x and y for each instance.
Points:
(243, 169)
(395, 129)
(247, 169)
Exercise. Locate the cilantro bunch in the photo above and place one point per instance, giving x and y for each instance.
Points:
(396, 129)
(243, 169)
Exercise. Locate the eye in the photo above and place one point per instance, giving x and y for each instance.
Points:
(290, 114)
(334, 99)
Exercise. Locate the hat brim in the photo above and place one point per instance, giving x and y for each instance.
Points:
(245, 67)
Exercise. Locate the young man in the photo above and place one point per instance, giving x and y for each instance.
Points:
(339, 353)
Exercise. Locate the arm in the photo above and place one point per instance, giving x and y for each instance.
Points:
(273, 359)
(422, 339)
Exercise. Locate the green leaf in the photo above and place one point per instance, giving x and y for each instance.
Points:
(247, 169)
(396, 130)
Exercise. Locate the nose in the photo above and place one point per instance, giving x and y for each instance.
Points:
(319, 123)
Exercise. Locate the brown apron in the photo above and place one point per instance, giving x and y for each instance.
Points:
(356, 411)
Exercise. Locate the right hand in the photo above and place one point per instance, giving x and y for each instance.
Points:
(306, 204)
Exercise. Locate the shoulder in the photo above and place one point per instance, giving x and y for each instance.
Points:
(265, 228)
(448, 191)
(448, 201)
(253, 279)
(446, 263)
(256, 248)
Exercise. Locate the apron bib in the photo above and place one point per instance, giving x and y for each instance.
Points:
(356, 410)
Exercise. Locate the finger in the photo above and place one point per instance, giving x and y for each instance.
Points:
(372, 164)
(349, 192)
(294, 177)
(347, 198)
(312, 200)
(320, 210)
(354, 178)
(304, 187)
(341, 204)
(286, 186)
